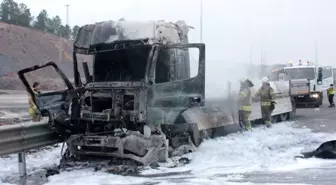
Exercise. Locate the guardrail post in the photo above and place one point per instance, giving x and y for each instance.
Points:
(290, 87)
(22, 168)
(229, 89)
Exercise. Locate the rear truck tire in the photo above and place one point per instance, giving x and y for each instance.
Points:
(195, 135)
(321, 98)
(292, 114)
(284, 117)
(274, 119)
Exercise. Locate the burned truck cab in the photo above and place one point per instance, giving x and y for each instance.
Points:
(139, 69)
(142, 78)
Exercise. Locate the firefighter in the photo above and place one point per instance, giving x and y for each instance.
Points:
(33, 111)
(267, 103)
(330, 93)
(245, 108)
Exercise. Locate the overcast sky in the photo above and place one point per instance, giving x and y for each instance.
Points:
(286, 29)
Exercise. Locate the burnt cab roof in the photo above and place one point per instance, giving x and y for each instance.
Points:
(147, 32)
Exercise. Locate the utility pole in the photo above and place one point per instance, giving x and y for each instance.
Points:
(201, 21)
(60, 34)
(250, 53)
(315, 45)
(261, 54)
(67, 14)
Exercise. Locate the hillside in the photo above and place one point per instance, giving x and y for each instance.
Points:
(22, 47)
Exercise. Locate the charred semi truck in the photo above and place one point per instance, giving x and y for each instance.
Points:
(142, 101)
(131, 105)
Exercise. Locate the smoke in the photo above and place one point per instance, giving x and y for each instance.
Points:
(219, 74)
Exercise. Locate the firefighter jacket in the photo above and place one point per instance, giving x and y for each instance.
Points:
(266, 94)
(245, 99)
(32, 106)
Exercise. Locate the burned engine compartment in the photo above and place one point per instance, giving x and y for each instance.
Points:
(109, 109)
(131, 105)
(112, 123)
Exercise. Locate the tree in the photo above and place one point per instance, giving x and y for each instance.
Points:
(41, 21)
(19, 14)
(5, 10)
(74, 32)
(14, 12)
(65, 31)
(24, 16)
(10, 12)
(49, 27)
(54, 25)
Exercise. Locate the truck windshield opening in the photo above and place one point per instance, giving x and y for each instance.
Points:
(301, 73)
(121, 65)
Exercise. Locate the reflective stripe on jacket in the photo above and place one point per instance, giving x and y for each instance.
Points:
(246, 108)
(265, 103)
(330, 91)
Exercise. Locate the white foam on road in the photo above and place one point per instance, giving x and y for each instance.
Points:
(216, 162)
(262, 149)
(35, 161)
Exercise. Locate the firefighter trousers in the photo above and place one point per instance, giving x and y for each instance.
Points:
(35, 116)
(244, 118)
(331, 99)
(266, 114)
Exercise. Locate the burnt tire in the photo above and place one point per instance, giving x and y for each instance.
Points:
(284, 117)
(293, 113)
(274, 119)
(195, 134)
(321, 99)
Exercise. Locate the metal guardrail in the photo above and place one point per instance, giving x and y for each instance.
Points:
(26, 136)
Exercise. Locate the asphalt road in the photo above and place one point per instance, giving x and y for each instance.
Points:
(15, 101)
(321, 119)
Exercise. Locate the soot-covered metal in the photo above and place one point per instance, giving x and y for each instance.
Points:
(131, 106)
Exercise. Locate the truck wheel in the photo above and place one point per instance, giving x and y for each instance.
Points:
(293, 113)
(274, 119)
(195, 134)
(321, 103)
(284, 117)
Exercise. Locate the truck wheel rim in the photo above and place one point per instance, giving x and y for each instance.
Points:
(284, 117)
